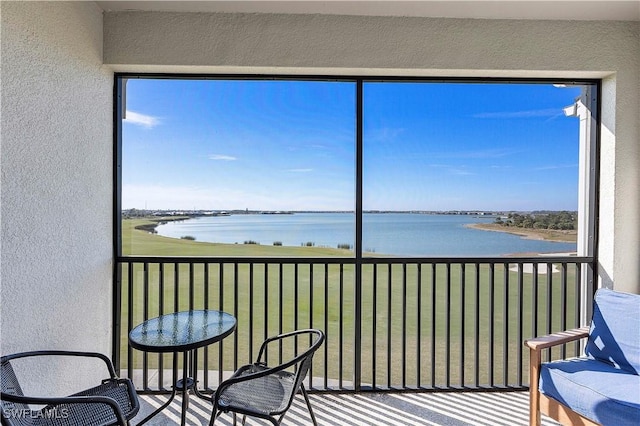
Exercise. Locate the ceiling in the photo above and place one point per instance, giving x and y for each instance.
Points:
(584, 10)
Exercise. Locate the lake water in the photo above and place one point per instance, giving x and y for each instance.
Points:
(403, 234)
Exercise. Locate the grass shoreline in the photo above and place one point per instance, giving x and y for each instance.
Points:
(529, 234)
(138, 237)
(150, 224)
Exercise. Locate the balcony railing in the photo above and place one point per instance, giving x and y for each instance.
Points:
(391, 323)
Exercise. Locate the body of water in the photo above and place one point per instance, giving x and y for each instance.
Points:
(402, 234)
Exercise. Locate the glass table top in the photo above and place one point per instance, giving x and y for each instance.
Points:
(182, 331)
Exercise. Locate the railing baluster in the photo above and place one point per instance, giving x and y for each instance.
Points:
(205, 350)
(296, 310)
(374, 325)
(310, 313)
(447, 336)
(311, 286)
(191, 287)
(160, 312)
(419, 327)
(205, 285)
(578, 303)
(145, 316)
(265, 332)
(176, 287)
(505, 326)
(491, 312)
(251, 304)
(563, 304)
(534, 301)
(433, 324)
(341, 331)
(462, 323)
(326, 324)
(221, 308)
(116, 319)
(130, 284)
(520, 323)
(389, 325)
(193, 358)
(549, 304)
(236, 281)
(280, 303)
(404, 324)
(476, 323)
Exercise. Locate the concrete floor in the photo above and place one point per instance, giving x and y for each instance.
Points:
(397, 409)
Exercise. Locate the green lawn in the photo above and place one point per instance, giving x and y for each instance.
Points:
(319, 296)
(137, 242)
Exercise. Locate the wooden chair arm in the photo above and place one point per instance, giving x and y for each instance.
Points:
(559, 338)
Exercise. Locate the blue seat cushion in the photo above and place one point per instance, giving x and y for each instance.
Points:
(593, 389)
(614, 336)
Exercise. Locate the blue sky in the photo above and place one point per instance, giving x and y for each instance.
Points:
(283, 145)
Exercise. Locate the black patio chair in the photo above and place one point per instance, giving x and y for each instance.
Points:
(266, 391)
(112, 402)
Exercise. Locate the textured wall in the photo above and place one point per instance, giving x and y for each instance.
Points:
(56, 188)
(417, 45)
(201, 42)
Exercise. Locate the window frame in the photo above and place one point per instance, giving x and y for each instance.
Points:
(588, 177)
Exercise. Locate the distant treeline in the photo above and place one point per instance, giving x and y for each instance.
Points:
(553, 220)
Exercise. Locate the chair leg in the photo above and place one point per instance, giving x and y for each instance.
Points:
(534, 380)
(306, 398)
(214, 416)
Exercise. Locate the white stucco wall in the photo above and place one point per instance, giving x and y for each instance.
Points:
(322, 44)
(56, 187)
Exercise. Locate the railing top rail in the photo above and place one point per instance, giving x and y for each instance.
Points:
(544, 259)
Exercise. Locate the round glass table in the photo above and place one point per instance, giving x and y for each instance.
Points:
(183, 332)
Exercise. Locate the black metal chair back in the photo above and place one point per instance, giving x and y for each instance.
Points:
(112, 402)
(13, 413)
(267, 391)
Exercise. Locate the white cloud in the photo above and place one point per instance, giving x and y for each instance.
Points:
(549, 112)
(557, 166)
(460, 171)
(223, 198)
(454, 170)
(385, 134)
(143, 120)
(300, 170)
(480, 154)
(221, 157)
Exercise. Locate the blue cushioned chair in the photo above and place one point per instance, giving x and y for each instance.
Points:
(602, 387)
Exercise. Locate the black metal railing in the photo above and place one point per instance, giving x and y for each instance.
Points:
(419, 323)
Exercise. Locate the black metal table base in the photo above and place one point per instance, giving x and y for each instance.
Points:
(179, 385)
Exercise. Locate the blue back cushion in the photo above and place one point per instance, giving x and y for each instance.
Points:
(614, 336)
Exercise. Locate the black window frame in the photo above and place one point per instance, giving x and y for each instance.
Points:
(119, 101)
